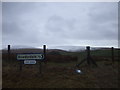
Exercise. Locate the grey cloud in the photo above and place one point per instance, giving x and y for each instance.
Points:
(11, 28)
(58, 23)
(60, 27)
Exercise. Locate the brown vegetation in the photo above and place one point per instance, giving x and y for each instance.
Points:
(60, 58)
(59, 72)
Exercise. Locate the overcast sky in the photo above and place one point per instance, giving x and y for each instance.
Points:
(59, 24)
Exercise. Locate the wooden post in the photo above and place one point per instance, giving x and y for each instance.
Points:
(88, 58)
(44, 52)
(88, 54)
(8, 52)
(113, 54)
(8, 49)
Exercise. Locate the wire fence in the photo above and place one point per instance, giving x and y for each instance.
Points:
(97, 53)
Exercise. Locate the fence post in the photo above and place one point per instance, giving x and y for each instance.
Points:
(88, 54)
(113, 54)
(8, 52)
(44, 51)
(88, 58)
(8, 49)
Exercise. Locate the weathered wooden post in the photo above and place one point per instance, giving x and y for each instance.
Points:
(40, 63)
(112, 54)
(44, 52)
(8, 49)
(8, 52)
(88, 54)
(88, 58)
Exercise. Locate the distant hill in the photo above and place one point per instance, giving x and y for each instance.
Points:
(69, 48)
(30, 49)
(33, 50)
(17, 47)
(64, 48)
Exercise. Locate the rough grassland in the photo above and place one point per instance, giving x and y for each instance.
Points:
(62, 75)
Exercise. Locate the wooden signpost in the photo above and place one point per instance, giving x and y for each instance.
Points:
(29, 58)
(32, 58)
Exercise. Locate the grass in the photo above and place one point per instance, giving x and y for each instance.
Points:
(60, 76)
(63, 75)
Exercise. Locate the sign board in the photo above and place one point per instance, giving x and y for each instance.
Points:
(30, 56)
(29, 61)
